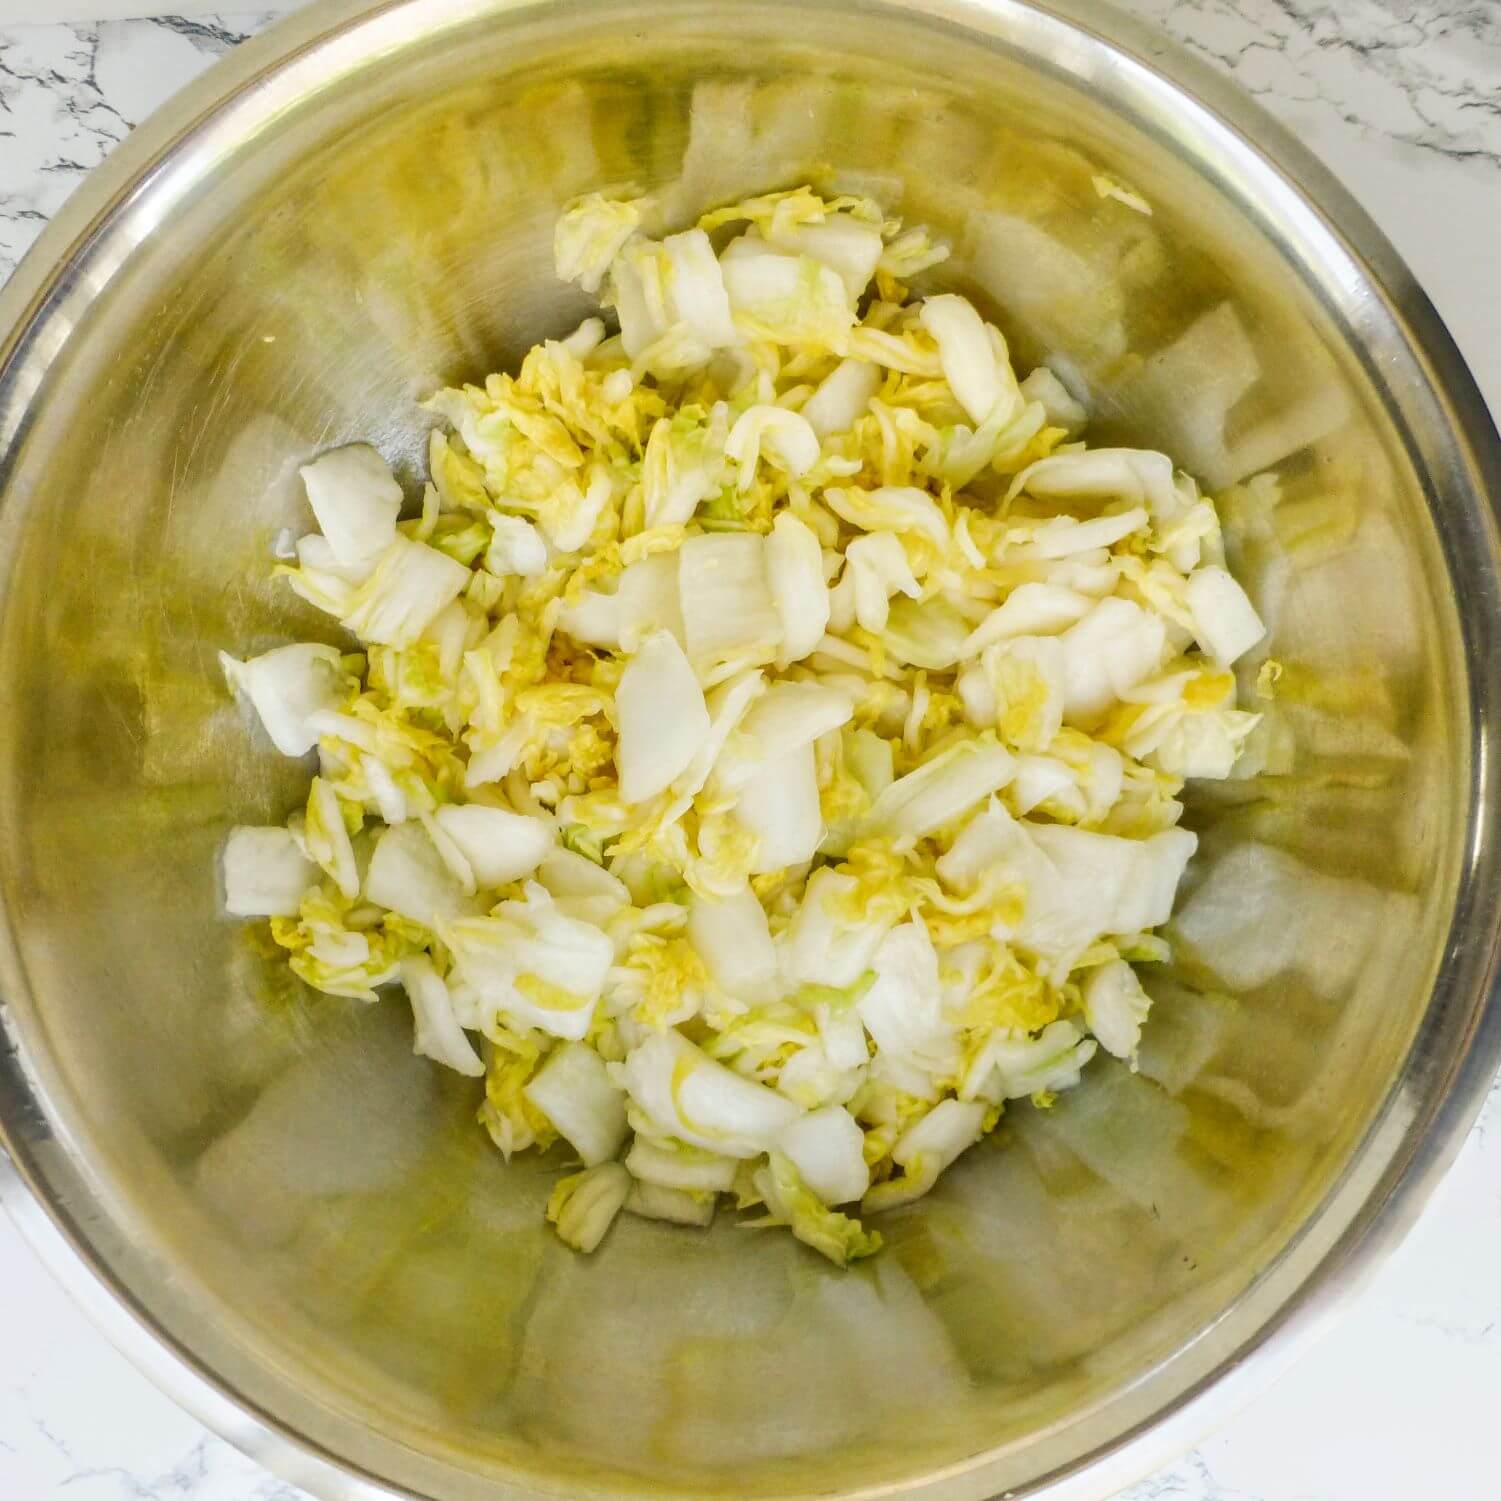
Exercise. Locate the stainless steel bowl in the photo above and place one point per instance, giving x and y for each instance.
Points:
(294, 1223)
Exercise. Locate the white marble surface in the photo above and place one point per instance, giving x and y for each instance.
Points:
(1403, 99)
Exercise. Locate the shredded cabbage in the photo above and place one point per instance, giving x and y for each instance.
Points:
(532, 963)
(767, 734)
(733, 938)
(408, 875)
(686, 1094)
(496, 845)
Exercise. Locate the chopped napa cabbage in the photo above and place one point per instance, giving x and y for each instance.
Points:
(780, 806)
(330, 955)
(533, 963)
(498, 846)
(822, 945)
(1112, 649)
(910, 252)
(685, 1094)
(1079, 885)
(978, 373)
(649, 599)
(728, 705)
(787, 717)
(792, 1203)
(677, 1206)
(266, 873)
(895, 508)
(840, 1030)
(580, 888)
(1019, 686)
(941, 790)
(356, 501)
(726, 599)
(595, 618)
(848, 246)
(1187, 739)
(287, 687)
(583, 1206)
(800, 594)
(326, 837)
(587, 337)
(1132, 475)
(782, 438)
(411, 585)
(842, 397)
(662, 717)
(512, 1121)
(671, 299)
(1014, 1066)
(811, 1078)
(903, 1009)
(791, 299)
(929, 634)
(827, 1148)
(871, 760)
(321, 579)
(696, 289)
(1059, 406)
(573, 1089)
(1115, 1006)
(438, 1033)
(516, 546)
(1043, 780)
(1065, 537)
(684, 464)
(771, 733)
(875, 568)
(662, 981)
(1029, 610)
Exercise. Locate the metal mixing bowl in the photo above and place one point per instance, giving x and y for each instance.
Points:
(294, 1223)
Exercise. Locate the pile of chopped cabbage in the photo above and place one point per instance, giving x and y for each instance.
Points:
(763, 760)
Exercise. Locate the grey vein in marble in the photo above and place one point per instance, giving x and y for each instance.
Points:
(70, 94)
(1423, 74)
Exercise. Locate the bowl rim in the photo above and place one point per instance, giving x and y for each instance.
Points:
(245, 81)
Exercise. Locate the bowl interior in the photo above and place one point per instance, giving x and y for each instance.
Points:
(310, 1210)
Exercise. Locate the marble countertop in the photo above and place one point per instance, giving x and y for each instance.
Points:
(1402, 98)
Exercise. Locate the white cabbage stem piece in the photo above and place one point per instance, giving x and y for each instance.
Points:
(662, 715)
